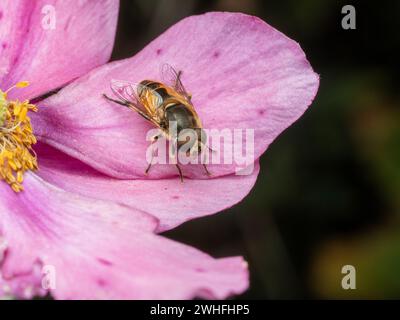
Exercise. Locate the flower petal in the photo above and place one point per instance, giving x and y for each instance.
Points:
(242, 73)
(169, 200)
(93, 249)
(51, 42)
(26, 285)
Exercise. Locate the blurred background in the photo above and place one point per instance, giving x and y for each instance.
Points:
(328, 193)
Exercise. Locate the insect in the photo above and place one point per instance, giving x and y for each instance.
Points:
(163, 103)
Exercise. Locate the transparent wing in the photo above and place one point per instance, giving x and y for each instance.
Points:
(126, 92)
(172, 78)
(129, 92)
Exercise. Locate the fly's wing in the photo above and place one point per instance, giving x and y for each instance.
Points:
(127, 94)
(172, 78)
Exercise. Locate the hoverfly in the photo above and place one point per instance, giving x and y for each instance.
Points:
(162, 103)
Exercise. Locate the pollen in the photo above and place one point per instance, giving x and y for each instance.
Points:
(16, 139)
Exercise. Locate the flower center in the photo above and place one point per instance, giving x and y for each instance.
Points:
(16, 139)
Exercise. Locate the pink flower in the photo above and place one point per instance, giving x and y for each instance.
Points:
(89, 214)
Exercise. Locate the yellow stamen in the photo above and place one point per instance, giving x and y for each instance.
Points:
(16, 139)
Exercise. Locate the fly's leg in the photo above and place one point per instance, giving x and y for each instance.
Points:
(208, 173)
(178, 78)
(131, 106)
(153, 140)
(149, 166)
(178, 81)
(180, 172)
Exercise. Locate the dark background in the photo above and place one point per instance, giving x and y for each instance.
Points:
(328, 192)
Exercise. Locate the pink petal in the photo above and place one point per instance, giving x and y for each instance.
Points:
(26, 285)
(242, 73)
(170, 201)
(101, 250)
(32, 50)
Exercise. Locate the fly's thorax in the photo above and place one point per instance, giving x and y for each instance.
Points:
(147, 87)
(151, 94)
